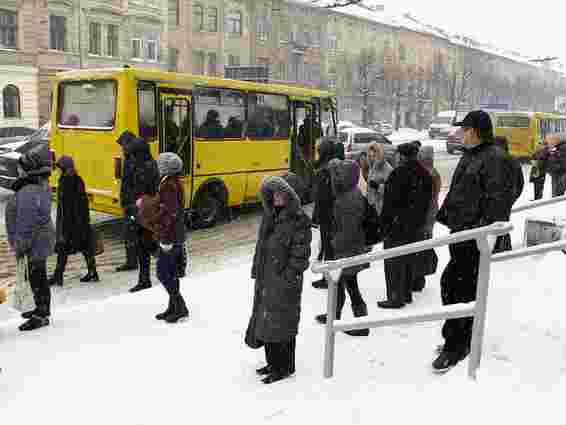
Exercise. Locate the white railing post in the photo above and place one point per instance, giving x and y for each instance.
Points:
(330, 336)
(481, 304)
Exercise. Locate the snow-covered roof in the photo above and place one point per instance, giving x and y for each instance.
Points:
(369, 11)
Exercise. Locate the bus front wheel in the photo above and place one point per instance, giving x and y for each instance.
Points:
(210, 206)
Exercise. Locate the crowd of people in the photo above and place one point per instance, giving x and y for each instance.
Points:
(404, 194)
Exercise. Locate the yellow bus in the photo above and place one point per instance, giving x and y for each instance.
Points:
(526, 130)
(229, 133)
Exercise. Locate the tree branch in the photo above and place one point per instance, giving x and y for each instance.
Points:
(335, 4)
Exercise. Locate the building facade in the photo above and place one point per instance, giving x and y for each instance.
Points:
(19, 90)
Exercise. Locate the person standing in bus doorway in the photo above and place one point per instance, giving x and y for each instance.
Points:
(348, 237)
(503, 242)
(72, 226)
(477, 197)
(140, 177)
(30, 230)
(324, 204)
(554, 157)
(171, 234)
(281, 256)
(406, 202)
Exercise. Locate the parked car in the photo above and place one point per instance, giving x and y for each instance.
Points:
(11, 152)
(455, 140)
(382, 127)
(357, 139)
(16, 132)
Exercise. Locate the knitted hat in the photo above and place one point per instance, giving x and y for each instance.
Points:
(66, 163)
(169, 164)
(408, 150)
(426, 153)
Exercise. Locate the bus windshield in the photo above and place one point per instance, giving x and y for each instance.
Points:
(87, 104)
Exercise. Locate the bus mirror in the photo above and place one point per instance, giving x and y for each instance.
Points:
(118, 168)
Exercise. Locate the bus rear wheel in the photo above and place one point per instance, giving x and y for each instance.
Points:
(210, 205)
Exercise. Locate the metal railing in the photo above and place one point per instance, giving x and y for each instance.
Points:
(485, 239)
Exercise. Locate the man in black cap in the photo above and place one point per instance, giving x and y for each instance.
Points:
(477, 197)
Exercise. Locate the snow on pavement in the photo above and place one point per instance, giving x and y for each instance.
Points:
(112, 362)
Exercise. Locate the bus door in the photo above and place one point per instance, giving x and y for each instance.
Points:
(175, 135)
(302, 143)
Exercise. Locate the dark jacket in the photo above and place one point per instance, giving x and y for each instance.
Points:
(73, 230)
(323, 195)
(28, 218)
(406, 202)
(281, 256)
(348, 236)
(140, 170)
(171, 210)
(479, 190)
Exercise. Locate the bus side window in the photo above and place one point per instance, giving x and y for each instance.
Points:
(147, 113)
(220, 114)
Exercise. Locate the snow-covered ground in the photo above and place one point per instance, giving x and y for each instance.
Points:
(111, 362)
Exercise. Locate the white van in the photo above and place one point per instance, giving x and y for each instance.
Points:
(441, 125)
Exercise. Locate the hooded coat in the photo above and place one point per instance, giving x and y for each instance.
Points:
(140, 170)
(323, 195)
(73, 230)
(281, 256)
(348, 235)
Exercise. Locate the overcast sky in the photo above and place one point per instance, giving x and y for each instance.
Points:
(536, 29)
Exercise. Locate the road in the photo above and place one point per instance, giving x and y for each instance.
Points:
(209, 249)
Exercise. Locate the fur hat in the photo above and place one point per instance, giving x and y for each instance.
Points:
(169, 164)
(36, 161)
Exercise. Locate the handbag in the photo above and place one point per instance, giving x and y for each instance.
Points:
(22, 298)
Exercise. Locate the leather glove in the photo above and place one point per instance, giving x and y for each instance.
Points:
(166, 247)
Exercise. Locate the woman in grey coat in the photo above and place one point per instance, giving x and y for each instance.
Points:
(30, 230)
(348, 236)
(281, 256)
(379, 170)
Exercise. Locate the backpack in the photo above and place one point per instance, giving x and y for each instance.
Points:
(371, 223)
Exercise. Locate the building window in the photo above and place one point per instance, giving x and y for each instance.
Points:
(234, 23)
(198, 18)
(8, 29)
(112, 41)
(332, 42)
(402, 53)
(233, 60)
(57, 32)
(11, 99)
(212, 19)
(173, 57)
(151, 54)
(332, 83)
(262, 25)
(94, 47)
(137, 49)
(178, 12)
(284, 29)
(198, 62)
(212, 64)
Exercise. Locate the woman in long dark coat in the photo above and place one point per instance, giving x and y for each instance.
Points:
(72, 228)
(406, 203)
(348, 236)
(281, 256)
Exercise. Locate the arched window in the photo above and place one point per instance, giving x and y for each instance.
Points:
(11, 98)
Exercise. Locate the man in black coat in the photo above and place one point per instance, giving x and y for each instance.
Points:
(141, 177)
(406, 202)
(478, 197)
(324, 203)
(503, 242)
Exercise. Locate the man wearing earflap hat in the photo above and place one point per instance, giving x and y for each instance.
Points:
(30, 230)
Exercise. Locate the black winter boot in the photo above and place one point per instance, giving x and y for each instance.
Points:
(359, 310)
(29, 314)
(131, 258)
(92, 275)
(34, 322)
(180, 310)
(167, 312)
(141, 286)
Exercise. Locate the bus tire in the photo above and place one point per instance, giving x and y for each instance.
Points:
(210, 205)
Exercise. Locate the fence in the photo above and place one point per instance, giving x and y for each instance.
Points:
(485, 239)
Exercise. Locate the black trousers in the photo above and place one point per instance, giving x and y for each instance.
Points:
(458, 285)
(131, 236)
(326, 250)
(37, 272)
(538, 186)
(280, 356)
(348, 283)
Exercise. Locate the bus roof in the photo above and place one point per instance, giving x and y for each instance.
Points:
(190, 80)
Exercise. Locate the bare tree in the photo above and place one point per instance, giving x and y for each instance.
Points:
(366, 76)
(333, 4)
